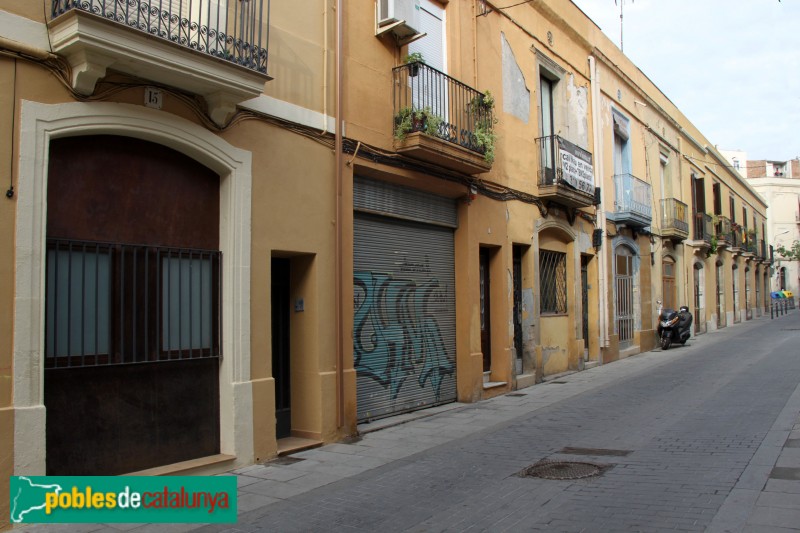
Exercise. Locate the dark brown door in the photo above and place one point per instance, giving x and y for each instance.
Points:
(280, 347)
(486, 340)
(585, 299)
(132, 322)
(517, 260)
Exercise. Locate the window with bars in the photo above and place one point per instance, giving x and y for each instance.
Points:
(553, 282)
(111, 304)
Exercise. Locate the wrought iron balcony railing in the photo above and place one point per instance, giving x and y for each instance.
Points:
(723, 229)
(632, 200)
(231, 30)
(674, 217)
(429, 101)
(750, 243)
(566, 174)
(737, 239)
(703, 227)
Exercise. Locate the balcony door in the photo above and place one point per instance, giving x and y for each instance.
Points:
(547, 122)
(432, 89)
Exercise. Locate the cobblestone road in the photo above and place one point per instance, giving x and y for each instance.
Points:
(692, 423)
(712, 431)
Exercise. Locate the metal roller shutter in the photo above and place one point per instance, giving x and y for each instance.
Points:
(404, 306)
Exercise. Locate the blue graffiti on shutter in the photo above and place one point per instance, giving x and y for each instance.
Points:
(395, 336)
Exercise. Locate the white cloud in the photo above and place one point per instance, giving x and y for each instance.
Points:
(731, 66)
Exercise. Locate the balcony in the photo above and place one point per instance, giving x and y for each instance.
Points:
(674, 219)
(749, 246)
(722, 229)
(566, 175)
(632, 204)
(214, 48)
(703, 228)
(441, 120)
(737, 239)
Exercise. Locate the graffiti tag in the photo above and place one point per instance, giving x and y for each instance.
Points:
(395, 334)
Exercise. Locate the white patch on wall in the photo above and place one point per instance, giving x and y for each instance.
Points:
(578, 104)
(516, 95)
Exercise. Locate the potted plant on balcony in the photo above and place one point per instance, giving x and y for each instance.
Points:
(481, 108)
(409, 120)
(413, 61)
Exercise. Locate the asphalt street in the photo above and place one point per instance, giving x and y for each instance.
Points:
(704, 437)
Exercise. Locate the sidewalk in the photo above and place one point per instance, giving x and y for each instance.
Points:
(403, 436)
(765, 498)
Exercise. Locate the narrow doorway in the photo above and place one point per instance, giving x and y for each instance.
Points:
(486, 340)
(624, 288)
(585, 303)
(517, 265)
(280, 346)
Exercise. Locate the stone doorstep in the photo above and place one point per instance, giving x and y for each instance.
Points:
(219, 462)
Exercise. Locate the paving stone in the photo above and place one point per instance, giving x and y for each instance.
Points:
(700, 421)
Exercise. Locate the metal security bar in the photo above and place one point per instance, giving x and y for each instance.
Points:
(113, 304)
(232, 30)
(703, 226)
(674, 214)
(429, 101)
(553, 282)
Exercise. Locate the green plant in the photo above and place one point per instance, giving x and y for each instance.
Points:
(413, 57)
(481, 107)
(713, 248)
(792, 253)
(485, 138)
(409, 120)
(481, 102)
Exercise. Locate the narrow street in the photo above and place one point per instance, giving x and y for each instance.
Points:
(697, 422)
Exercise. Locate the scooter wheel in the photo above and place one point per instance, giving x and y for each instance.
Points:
(665, 342)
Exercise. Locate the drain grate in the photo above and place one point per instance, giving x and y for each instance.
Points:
(562, 470)
(569, 450)
(515, 395)
(557, 382)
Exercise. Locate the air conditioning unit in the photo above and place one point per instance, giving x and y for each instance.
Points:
(400, 17)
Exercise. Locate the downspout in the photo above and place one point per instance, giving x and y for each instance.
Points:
(599, 165)
(339, 232)
(324, 66)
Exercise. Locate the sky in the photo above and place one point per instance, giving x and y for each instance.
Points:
(731, 66)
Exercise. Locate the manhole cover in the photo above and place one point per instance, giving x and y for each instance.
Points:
(562, 470)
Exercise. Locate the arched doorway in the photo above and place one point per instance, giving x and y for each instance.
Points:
(132, 307)
(668, 285)
(737, 314)
(699, 298)
(747, 307)
(720, 292)
(624, 304)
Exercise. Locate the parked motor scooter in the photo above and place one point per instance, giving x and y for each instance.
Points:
(674, 326)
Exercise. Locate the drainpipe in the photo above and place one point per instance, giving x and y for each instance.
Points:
(601, 212)
(339, 232)
(324, 66)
